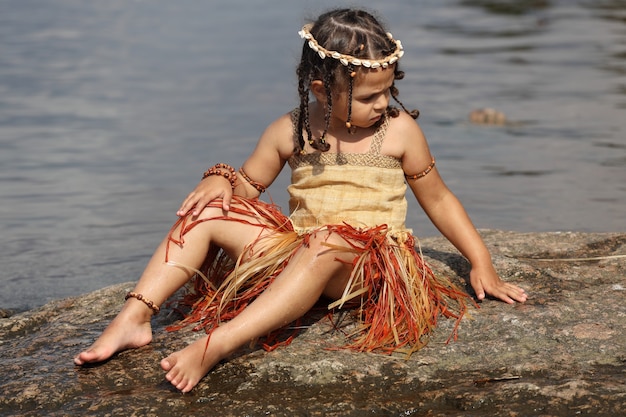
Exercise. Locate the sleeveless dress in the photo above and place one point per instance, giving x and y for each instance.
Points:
(360, 197)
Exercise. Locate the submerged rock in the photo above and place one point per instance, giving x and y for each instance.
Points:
(562, 353)
(488, 116)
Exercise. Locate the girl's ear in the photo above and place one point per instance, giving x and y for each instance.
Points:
(319, 91)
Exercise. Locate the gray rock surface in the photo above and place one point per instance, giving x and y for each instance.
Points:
(562, 353)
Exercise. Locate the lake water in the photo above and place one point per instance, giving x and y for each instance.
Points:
(111, 110)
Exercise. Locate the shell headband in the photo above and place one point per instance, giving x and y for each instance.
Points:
(348, 60)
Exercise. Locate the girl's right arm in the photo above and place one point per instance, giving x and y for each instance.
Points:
(267, 160)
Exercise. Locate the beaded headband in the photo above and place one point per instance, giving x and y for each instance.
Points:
(348, 60)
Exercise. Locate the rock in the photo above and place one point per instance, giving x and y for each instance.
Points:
(562, 353)
(488, 116)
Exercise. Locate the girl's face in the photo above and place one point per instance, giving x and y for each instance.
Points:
(370, 98)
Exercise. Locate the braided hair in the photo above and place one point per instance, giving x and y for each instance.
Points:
(351, 32)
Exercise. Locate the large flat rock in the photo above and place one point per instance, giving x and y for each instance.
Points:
(562, 353)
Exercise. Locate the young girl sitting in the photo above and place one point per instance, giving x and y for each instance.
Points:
(351, 156)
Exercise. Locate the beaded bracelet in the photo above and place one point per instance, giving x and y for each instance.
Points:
(257, 185)
(230, 175)
(155, 308)
(423, 173)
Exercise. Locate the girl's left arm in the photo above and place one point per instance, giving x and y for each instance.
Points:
(448, 215)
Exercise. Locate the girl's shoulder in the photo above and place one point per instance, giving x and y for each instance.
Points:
(280, 135)
(403, 133)
(403, 122)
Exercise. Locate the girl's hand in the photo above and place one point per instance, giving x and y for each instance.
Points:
(486, 281)
(209, 189)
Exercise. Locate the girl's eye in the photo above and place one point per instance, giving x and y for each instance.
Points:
(374, 96)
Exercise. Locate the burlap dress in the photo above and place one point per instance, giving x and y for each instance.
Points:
(360, 197)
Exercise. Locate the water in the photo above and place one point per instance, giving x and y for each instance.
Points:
(110, 111)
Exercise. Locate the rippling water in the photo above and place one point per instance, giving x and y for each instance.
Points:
(110, 111)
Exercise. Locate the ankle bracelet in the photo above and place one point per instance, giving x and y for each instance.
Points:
(155, 308)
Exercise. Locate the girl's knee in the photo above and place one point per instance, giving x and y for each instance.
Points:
(330, 246)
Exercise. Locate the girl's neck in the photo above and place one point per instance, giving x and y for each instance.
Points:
(337, 126)
(338, 136)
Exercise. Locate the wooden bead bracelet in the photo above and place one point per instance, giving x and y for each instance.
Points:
(155, 308)
(257, 185)
(423, 173)
(230, 175)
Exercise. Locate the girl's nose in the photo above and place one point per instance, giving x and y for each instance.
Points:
(382, 102)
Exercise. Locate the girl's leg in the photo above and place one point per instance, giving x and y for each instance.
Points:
(312, 271)
(131, 327)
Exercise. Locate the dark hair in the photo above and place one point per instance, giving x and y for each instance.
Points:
(350, 32)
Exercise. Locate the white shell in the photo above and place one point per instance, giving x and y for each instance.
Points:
(348, 60)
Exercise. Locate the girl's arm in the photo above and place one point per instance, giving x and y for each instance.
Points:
(449, 216)
(262, 166)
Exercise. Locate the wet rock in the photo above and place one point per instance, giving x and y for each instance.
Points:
(562, 353)
(487, 116)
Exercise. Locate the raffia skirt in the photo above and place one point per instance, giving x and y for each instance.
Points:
(395, 295)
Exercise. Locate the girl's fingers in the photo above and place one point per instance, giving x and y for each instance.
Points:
(495, 287)
(510, 293)
(480, 292)
(207, 191)
(200, 204)
(184, 208)
(226, 200)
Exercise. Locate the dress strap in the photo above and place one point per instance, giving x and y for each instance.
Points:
(295, 114)
(379, 135)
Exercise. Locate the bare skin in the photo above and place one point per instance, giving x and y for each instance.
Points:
(130, 329)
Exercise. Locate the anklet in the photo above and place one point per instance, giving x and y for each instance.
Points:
(155, 308)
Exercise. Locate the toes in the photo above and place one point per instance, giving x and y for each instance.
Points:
(177, 376)
(179, 381)
(182, 385)
(166, 364)
(173, 376)
(187, 387)
(90, 356)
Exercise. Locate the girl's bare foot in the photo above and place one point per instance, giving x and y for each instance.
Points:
(129, 330)
(188, 366)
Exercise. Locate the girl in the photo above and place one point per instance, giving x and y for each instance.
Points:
(351, 156)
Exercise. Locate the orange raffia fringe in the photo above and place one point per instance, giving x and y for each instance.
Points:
(403, 298)
(398, 296)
